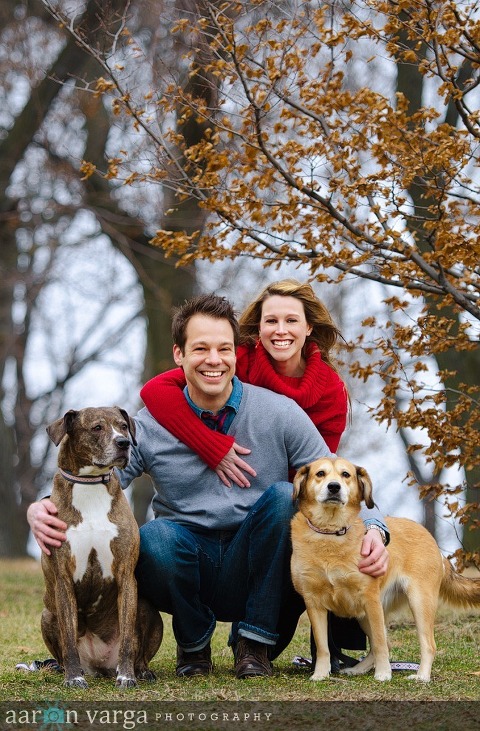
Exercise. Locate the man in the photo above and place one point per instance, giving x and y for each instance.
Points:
(214, 553)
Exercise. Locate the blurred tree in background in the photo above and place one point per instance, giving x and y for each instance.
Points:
(66, 241)
(339, 137)
(344, 137)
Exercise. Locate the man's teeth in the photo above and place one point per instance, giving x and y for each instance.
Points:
(212, 374)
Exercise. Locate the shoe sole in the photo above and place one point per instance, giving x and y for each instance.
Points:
(193, 673)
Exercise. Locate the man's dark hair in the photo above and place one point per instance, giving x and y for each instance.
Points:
(205, 304)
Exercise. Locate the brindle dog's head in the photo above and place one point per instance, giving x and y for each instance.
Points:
(93, 439)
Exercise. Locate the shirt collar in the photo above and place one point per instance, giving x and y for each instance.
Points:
(233, 402)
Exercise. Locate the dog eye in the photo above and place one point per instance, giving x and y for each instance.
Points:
(345, 473)
(321, 473)
(97, 427)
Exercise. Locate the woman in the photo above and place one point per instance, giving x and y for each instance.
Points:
(287, 336)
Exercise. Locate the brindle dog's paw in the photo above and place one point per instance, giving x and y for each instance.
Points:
(147, 675)
(77, 682)
(124, 682)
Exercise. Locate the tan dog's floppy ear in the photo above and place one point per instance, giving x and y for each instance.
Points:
(299, 480)
(365, 485)
(59, 428)
(131, 424)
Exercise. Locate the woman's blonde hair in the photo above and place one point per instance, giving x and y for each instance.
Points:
(324, 332)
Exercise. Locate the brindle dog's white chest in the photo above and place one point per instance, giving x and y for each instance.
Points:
(95, 530)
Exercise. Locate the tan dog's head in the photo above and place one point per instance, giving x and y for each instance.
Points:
(332, 482)
(98, 438)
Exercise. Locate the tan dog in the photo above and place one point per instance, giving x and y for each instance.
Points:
(327, 533)
(92, 621)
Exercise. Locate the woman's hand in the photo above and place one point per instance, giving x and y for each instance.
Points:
(230, 468)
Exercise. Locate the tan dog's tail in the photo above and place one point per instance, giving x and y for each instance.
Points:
(459, 590)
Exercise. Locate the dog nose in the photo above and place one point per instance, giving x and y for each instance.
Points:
(122, 442)
(333, 487)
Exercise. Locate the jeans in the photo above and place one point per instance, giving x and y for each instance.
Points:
(201, 576)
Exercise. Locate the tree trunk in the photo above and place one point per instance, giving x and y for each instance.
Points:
(467, 365)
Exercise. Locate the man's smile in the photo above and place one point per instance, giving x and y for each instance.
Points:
(212, 374)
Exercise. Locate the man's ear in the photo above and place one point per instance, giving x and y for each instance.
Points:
(178, 355)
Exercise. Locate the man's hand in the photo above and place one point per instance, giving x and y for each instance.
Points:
(375, 561)
(230, 468)
(46, 527)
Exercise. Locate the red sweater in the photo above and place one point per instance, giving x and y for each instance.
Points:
(320, 392)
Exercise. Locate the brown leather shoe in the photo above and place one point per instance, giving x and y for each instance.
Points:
(251, 659)
(194, 663)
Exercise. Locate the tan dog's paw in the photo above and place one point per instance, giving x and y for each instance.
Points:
(383, 676)
(419, 678)
(318, 676)
(322, 669)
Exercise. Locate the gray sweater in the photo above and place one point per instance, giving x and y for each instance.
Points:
(274, 427)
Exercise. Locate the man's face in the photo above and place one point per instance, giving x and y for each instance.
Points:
(208, 361)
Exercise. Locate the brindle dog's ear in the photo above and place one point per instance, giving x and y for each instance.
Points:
(300, 479)
(131, 425)
(59, 428)
(365, 485)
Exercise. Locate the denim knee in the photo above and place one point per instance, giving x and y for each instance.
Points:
(157, 542)
(161, 541)
(278, 498)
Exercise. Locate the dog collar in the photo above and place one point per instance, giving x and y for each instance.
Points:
(340, 532)
(94, 480)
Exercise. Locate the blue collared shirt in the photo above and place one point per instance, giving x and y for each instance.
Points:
(222, 420)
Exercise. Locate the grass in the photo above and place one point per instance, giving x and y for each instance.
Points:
(456, 671)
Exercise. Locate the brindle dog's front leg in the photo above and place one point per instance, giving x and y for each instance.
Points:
(127, 615)
(66, 605)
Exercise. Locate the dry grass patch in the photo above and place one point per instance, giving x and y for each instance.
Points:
(455, 671)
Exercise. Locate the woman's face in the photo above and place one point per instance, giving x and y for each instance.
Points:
(283, 329)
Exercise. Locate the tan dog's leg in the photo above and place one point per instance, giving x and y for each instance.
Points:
(378, 639)
(424, 608)
(318, 619)
(368, 662)
(378, 657)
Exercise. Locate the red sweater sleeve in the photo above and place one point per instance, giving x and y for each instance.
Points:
(330, 413)
(163, 397)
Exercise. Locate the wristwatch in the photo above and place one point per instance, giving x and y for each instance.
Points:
(374, 526)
